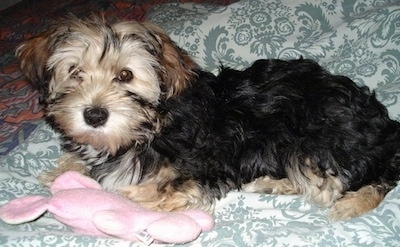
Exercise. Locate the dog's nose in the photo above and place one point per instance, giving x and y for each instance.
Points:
(95, 116)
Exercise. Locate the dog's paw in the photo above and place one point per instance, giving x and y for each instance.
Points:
(65, 163)
(149, 196)
(46, 178)
(356, 203)
(268, 185)
(169, 198)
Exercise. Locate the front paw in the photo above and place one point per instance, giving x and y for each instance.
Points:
(67, 162)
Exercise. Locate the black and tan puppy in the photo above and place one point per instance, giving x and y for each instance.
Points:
(137, 114)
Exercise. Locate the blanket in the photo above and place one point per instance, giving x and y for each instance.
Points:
(358, 39)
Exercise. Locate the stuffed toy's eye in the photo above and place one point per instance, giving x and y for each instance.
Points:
(125, 76)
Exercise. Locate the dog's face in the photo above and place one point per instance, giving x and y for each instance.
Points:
(103, 82)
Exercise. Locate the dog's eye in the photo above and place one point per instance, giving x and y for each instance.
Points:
(125, 76)
(75, 71)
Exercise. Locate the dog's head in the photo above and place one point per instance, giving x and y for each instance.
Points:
(103, 82)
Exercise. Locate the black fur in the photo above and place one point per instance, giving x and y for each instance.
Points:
(227, 130)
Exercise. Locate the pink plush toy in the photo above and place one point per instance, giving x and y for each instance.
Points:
(80, 203)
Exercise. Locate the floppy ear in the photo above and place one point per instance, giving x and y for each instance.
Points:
(179, 67)
(23, 209)
(33, 55)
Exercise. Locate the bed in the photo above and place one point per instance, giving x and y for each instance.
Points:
(359, 39)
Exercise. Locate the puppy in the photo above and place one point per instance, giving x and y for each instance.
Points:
(137, 114)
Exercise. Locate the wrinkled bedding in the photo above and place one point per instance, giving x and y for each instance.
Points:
(358, 39)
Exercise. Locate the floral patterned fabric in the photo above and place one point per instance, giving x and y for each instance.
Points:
(359, 39)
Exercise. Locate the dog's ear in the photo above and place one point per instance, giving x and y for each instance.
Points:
(179, 67)
(33, 55)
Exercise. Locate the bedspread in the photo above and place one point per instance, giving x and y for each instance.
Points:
(358, 39)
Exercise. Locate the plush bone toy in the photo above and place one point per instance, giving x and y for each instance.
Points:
(80, 203)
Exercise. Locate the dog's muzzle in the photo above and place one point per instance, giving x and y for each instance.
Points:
(95, 116)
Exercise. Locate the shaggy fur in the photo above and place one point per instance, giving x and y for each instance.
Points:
(138, 115)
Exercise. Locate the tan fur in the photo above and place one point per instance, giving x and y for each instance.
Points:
(72, 57)
(157, 193)
(82, 59)
(66, 162)
(119, 130)
(40, 53)
(320, 187)
(33, 56)
(270, 186)
(323, 191)
(179, 66)
(356, 203)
